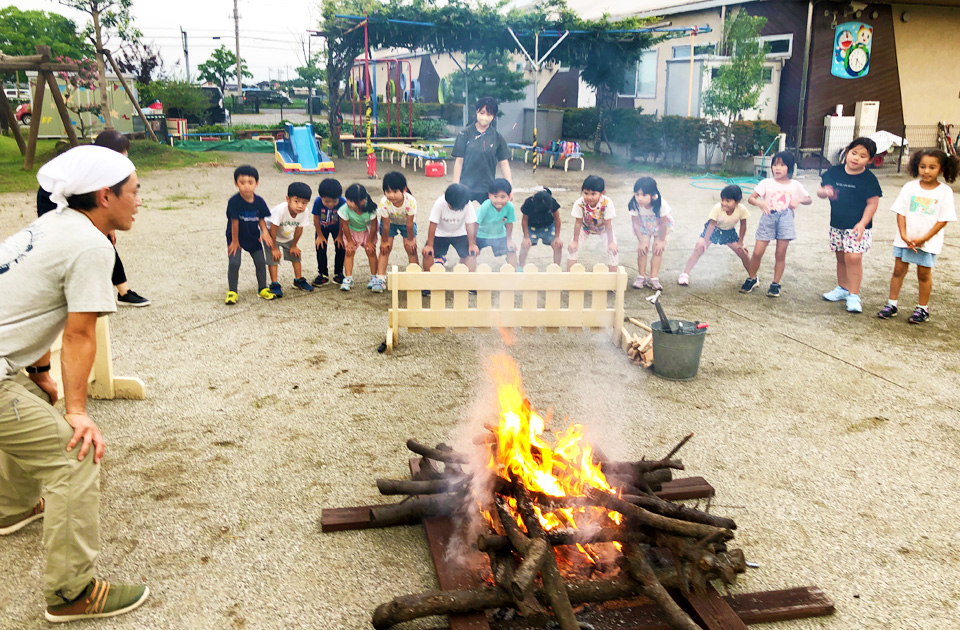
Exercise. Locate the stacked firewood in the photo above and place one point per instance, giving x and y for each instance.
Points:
(664, 545)
(640, 347)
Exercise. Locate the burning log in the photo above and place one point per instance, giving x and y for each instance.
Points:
(534, 553)
(558, 537)
(503, 568)
(553, 586)
(656, 521)
(430, 603)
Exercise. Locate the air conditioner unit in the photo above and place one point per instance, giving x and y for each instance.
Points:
(865, 120)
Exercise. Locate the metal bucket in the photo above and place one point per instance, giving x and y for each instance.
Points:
(676, 356)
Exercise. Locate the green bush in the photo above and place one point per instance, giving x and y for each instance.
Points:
(579, 123)
(751, 137)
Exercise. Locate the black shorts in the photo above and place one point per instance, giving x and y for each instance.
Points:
(441, 244)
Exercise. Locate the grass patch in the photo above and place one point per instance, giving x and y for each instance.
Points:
(146, 154)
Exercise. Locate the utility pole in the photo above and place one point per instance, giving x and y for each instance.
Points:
(236, 32)
(186, 55)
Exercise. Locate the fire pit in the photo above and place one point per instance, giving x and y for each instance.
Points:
(561, 526)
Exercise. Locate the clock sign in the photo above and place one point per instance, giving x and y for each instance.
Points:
(851, 50)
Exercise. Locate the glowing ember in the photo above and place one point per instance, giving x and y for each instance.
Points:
(560, 467)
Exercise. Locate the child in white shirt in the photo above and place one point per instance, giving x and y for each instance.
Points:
(924, 207)
(593, 212)
(397, 210)
(453, 223)
(286, 223)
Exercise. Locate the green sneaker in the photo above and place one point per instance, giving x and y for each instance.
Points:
(16, 523)
(100, 599)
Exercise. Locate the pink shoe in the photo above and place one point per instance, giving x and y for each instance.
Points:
(683, 280)
(638, 283)
(654, 283)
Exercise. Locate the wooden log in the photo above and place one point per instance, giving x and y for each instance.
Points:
(430, 603)
(415, 509)
(11, 118)
(656, 521)
(534, 554)
(635, 562)
(487, 542)
(419, 487)
(675, 510)
(503, 568)
(638, 323)
(426, 469)
(553, 586)
(448, 457)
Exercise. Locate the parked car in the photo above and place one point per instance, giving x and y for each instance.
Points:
(215, 114)
(265, 96)
(24, 114)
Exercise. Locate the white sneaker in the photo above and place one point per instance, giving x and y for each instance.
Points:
(347, 283)
(683, 280)
(639, 282)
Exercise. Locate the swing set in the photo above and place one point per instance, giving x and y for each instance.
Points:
(363, 83)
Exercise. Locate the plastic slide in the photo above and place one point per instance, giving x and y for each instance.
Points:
(299, 152)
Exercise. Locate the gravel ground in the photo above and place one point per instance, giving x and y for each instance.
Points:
(829, 437)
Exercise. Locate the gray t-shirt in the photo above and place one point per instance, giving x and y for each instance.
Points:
(60, 263)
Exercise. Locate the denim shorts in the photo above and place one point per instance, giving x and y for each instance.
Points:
(401, 229)
(499, 245)
(919, 258)
(543, 235)
(721, 237)
(777, 226)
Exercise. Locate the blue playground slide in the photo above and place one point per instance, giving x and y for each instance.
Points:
(299, 153)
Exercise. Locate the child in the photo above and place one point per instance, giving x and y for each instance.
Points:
(327, 224)
(854, 195)
(397, 210)
(358, 228)
(286, 223)
(720, 229)
(651, 219)
(593, 212)
(777, 197)
(453, 223)
(246, 229)
(923, 207)
(495, 219)
(541, 224)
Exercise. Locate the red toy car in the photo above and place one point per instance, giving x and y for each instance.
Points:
(23, 114)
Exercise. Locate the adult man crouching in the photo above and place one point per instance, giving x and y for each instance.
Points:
(55, 277)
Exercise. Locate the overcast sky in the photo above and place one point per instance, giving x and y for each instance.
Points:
(270, 30)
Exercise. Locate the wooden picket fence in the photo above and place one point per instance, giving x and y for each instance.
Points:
(102, 383)
(564, 295)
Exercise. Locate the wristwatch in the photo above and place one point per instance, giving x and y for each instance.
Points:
(38, 369)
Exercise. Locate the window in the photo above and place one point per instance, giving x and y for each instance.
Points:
(683, 52)
(778, 45)
(641, 80)
(767, 75)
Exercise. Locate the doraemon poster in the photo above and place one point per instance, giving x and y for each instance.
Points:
(851, 50)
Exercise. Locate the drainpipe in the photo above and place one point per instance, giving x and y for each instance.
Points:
(808, 45)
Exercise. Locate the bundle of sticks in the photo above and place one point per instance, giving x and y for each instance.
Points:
(640, 347)
(663, 545)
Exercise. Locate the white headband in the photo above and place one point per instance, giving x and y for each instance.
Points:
(82, 170)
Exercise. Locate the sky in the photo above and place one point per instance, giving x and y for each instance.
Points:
(270, 30)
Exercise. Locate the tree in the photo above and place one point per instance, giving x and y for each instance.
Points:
(492, 77)
(143, 61)
(221, 66)
(22, 31)
(107, 18)
(738, 84)
(180, 98)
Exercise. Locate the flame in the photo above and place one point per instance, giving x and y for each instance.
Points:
(561, 467)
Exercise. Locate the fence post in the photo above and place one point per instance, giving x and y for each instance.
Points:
(902, 148)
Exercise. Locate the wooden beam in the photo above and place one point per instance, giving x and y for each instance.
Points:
(9, 114)
(34, 124)
(61, 106)
(130, 95)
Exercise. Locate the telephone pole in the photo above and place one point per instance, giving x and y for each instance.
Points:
(186, 55)
(236, 32)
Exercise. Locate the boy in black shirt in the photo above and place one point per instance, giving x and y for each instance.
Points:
(246, 229)
(541, 224)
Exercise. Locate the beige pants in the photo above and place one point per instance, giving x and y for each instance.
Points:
(33, 441)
